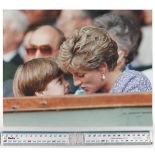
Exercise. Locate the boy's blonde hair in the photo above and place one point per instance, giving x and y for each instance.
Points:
(34, 76)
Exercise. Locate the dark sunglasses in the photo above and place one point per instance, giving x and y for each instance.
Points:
(44, 50)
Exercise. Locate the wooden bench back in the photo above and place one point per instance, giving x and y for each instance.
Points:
(76, 102)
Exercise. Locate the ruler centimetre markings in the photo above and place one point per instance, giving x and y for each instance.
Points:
(76, 138)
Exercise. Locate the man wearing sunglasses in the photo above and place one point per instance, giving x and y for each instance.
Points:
(44, 42)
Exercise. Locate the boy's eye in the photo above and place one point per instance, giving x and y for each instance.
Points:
(59, 81)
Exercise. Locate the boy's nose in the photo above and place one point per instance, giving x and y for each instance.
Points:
(66, 84)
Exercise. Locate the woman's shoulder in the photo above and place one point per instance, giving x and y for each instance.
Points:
(132, 81)
(132, 74)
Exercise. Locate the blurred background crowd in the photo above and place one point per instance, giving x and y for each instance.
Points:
(29, 34)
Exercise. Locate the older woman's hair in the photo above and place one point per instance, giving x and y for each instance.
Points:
(87, 48)
(124, 29)
(34, 76)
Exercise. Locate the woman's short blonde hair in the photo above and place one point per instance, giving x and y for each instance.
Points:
(87, 48)
(34, 76)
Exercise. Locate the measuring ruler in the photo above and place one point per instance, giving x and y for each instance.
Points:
(84, 137)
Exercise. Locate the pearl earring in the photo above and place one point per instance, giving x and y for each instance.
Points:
(103, 77)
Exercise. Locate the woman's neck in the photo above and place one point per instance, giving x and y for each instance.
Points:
(111, 78)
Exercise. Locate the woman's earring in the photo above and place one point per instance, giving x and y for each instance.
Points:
(103, 77)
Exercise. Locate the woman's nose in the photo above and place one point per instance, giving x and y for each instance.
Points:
(77, 82)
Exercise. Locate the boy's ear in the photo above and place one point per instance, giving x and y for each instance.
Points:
(39, 94)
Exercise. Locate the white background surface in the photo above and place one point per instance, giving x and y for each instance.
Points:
(73, 4)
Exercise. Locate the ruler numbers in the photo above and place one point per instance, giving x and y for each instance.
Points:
(77, 138)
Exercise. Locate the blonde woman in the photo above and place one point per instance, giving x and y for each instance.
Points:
(90, 55)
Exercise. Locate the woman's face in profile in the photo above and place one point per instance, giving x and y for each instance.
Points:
(89, 80)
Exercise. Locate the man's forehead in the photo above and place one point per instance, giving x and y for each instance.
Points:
(41, 39)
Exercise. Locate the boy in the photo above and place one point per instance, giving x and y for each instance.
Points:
(39, 77)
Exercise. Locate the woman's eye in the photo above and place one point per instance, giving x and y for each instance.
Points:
(81, 75)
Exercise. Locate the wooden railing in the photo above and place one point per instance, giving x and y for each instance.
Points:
(76, 102)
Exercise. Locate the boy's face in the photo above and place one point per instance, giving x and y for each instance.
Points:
(57, 86)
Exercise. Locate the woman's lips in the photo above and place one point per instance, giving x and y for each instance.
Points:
(84, 88)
